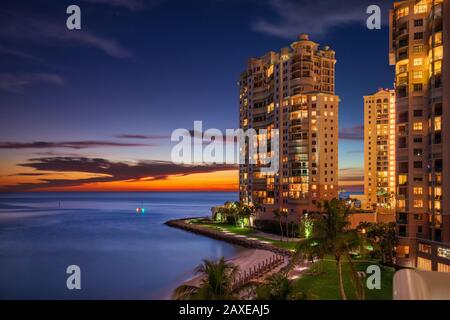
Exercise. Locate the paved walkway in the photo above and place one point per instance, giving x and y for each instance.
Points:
(274, 236)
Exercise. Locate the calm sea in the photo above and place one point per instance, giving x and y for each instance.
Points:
(122, 255)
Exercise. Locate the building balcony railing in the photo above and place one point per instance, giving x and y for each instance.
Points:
(422, 236)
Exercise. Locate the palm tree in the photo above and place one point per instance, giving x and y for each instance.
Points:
(233, 208)
(285, 215)
(331, 235)
(216, 284)
(257, 207)
(278, 287)
(246, 211)
(278, 214)
(382, 238)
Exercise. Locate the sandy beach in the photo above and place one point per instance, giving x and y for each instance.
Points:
(245, 261)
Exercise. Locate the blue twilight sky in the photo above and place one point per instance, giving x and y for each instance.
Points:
(148, 67)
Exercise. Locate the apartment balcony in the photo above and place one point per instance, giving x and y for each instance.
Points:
(403, 42)
(402, 218)
(402, 56)
(298, 143)
(422, 236)
(402, 234)
(402, 91)
(297, 201)
(402, 31)
(298, 107)
(298, 122)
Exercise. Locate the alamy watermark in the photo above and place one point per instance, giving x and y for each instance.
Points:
(374, 20)
(73, 282)
(73, 21)
(236, 146)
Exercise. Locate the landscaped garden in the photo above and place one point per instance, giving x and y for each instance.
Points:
(340, 255)
(321, 281)
(245, 231)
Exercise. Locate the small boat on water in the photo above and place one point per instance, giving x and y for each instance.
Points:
(141, 209)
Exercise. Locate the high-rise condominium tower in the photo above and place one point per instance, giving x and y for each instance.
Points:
(292, 91)
(419, 49)
(379, 149)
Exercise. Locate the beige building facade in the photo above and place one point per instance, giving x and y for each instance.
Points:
(419, 50)
(379, 150)
(292, 91)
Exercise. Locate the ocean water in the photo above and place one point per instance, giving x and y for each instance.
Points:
(121, 254)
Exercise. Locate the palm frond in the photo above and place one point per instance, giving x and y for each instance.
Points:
(185, 292)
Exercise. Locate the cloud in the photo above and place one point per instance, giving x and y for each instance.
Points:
(351, 174)
(67, 144)
(352, 133)
(355, 151)
(17, 53)
(141, 136)
(16, 83)
(315, 17)
(27, 174)
(39, 30)
(108, 171)
(208, 139)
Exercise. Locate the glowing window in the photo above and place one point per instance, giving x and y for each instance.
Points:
(418, 190)
(443, 252)
(420, 8)
(437, 123)
(417, 126)
(402, 12)
(418, 74)
(418, 61)
(418, 203)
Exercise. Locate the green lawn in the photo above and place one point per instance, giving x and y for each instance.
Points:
(326, 286)
(243, 231)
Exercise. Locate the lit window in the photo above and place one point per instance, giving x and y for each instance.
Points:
(420, 8)
(443, 267)
(443, 252)
(417, 126)
(402, 179)
(402, 12)
(418, 74)
(418, 190)
(418, 61)
(418, 48)
(425, 248)
(438, 67)
(418, 203)
(418, 87)
(437, 123)
(423, 264)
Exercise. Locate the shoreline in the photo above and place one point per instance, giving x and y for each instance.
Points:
(256, 255)
(184, 224)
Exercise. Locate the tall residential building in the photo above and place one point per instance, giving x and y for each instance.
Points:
(379, 149)
(292, 91)
(419, 49)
